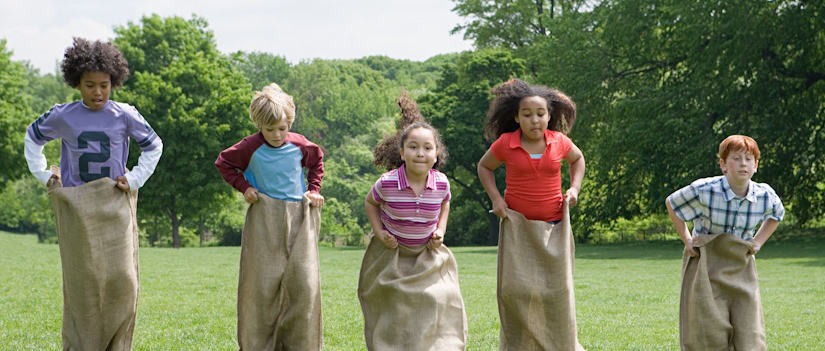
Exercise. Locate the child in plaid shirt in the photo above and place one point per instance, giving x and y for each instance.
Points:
(732, 206)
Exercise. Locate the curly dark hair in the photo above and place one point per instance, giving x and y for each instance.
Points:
(504, 108)
(387, 154)
(86, 56)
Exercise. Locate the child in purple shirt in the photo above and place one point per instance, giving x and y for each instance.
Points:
(96, 222)
(94, 131)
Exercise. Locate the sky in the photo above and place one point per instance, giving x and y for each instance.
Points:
(40, 30)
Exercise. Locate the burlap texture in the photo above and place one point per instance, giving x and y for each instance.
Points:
(536, 303)
(279, 284)
(720, 307)
(97, 234)
(411, 299)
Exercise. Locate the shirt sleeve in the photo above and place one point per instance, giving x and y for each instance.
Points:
(36, 160)
(140, 130)
(313, 161)
(449, 195)
(376, 191)
(44, 129)
(774, 210)
(232, 162)
(499, 148)
(151, 148)
(685, 203)
(566, 144)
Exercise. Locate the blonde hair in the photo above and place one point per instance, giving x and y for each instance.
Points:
(271, 104)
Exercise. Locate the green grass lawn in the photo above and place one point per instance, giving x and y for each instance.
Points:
(627, 296)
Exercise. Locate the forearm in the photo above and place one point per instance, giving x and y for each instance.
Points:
(488, 181)
(443, 217)
(373, 215)
(577, 173)
(147, 162)
(765, 231)
(679, 224)
(36, 160)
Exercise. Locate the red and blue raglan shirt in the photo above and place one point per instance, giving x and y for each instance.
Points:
(274, 171)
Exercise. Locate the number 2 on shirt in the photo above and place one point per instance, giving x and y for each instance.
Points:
(83, 142)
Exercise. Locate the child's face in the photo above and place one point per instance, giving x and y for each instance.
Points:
(275, 133)
(739, 166)
(95, 88)
(419, 152)
(533, 117)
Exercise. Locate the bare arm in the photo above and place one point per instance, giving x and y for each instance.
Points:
(486, 165)
(373, 210)
(438, 235)
(576, 160)
(682, 229)
(764, 233)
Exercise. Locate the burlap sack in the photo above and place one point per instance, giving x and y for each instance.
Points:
(720, 307)
(97, 234)
(411, 299)
(279, 285)
(535, 284)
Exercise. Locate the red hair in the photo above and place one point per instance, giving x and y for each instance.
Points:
(738, 143)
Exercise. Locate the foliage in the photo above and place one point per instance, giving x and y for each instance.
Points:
(456, 108)
(15, 114)
(261, 68)
(510, 24)
(660, 83)
(27, 208)
(196, 101)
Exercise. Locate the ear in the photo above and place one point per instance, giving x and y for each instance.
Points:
(755, 166)
(723, 166)
(401, 151)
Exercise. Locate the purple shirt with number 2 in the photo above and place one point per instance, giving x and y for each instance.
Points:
(95, 144)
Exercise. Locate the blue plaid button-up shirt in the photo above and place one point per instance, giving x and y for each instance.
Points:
(714, 209)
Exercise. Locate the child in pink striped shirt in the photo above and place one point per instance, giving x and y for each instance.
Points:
(409, 293)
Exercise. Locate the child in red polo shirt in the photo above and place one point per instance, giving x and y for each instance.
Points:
(529, 123)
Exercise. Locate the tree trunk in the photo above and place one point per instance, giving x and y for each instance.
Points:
(175, 232)
(173, 216)
(492, 231)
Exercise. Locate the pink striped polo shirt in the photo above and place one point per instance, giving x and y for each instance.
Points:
(412, 219)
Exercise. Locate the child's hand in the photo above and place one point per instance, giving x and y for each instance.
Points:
(436, 240)
(315, 199)
(500, 208)
(52, 179)
(756, 247)
(572, 196)
(250, 195)
(387, 239)
(123, 184)
(691, 250)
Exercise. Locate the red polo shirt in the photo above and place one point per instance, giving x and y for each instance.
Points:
(533, 185)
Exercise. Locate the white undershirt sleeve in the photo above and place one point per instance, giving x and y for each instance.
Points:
(147, 162)
(36, 160)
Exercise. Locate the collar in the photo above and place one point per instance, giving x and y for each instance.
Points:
(730, 195)
(515, 139)
(402, 179)
(90, 109)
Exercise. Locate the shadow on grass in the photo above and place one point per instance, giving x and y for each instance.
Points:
(810, 248)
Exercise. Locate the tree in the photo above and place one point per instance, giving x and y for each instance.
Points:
(196, 102)
(261, 68)
(457, 109)
(509, 24)
(660, 84)
(15, 114)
